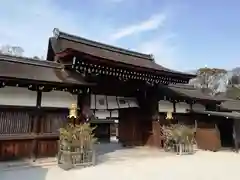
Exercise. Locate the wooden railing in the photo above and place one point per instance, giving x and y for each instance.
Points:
(25, 134)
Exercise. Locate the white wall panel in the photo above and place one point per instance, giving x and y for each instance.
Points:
(198, 107)
(59, 99)
(182, 107)
(133, 102)
(114, 114)
(101, 102)
(102, 114)
(17, 96)
(92, 102)
(122, 102)
(165, 106)
(112, 102)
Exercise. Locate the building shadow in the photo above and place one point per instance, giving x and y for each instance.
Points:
(106, 152)
(36, 173)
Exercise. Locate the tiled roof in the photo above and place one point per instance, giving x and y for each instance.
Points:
(189, 91)
(230, 105)
(64, 41)
(38, 70)
(233, 115)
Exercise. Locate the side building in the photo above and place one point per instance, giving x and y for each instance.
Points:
(215, 118)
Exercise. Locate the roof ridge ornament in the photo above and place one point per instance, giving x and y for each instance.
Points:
(151, 56)
(56, 32)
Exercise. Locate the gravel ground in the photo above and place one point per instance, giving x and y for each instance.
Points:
(140, 164)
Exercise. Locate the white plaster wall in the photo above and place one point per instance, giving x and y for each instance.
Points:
(17, 96)
(112, 102)
(114, 114)
(102, 114)
(182, 107)
(165, 106)
(92, 102)
(59, 99)
(198, 107)
(103, 100)
(133, 102)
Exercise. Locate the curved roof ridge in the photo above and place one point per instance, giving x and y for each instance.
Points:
(21, 70)
(31, 61)
(71, 37)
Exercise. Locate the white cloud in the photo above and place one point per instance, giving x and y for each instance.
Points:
(162, 49)
(154, 22)
(115, 1)
(29, 24)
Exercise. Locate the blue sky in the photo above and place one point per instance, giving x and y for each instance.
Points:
(181, 34)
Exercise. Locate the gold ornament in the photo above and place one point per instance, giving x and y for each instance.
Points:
(169, 115)
(73, 111)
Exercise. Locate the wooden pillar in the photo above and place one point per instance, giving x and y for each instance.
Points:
(156, 133)
(154, 138)
(36, 124)
(236, 134)
(84, 105)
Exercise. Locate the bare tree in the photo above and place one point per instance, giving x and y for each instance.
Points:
(234, 80)
(36, 57)
(211, 79)
(15, 51)
(12, 50)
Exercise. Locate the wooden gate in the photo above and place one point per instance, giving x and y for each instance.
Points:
(130, 129)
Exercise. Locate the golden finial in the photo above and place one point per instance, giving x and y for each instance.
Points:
(73, 111)
(169, 115)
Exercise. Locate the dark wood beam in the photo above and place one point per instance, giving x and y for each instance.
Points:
(86, 68)
(36, 124)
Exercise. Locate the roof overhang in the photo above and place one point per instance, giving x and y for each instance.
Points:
(64, 44)
(230, 105)
(37, 71)
(187, 91)
(227, 115)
